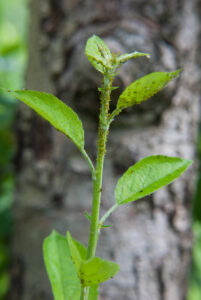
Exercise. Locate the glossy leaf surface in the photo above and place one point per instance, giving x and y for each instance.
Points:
(97, 270)
(97, 53)
(62, 117)
(144, 88)
(147, 176)
(60, 268)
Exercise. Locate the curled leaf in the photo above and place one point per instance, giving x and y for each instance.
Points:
(98, 53)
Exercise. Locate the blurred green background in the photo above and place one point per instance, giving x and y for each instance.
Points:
(13, 52)
(13, 27)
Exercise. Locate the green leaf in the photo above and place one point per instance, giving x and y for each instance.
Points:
(74, 253)
(62, 117)
(147, 176)
(97, 270)
(78, 258)
(144, 88)
(125, 57)
(98, 53)
(93, 292)
(81, 248)
(60, 268)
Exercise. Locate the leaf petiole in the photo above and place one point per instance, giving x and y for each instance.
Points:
(88, 160)
(108, 213)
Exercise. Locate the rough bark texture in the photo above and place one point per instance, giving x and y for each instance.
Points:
(151, 239)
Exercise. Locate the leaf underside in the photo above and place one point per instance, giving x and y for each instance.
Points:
(97, 270)
(147, 176)
(93, 271)
(144, 88)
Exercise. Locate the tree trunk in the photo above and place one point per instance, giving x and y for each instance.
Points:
(150, 239)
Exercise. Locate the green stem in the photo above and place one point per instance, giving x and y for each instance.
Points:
(85, 293)
(94, 229)
(97, 183)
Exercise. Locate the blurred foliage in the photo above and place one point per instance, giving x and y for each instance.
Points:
(194, 292)
(13, 26)
(197, 199)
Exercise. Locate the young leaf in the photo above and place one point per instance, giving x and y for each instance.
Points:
(106, 226)
(62, 117)
(87, 216)
(98, 53)
(76, 257)
(144, 88)
(147, 176)
(125, 57)
(81, 248)
(60, 268)
(97, 270)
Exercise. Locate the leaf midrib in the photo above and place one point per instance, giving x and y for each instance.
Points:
(132, 195)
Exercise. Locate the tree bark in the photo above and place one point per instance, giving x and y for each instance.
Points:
(150, 239)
